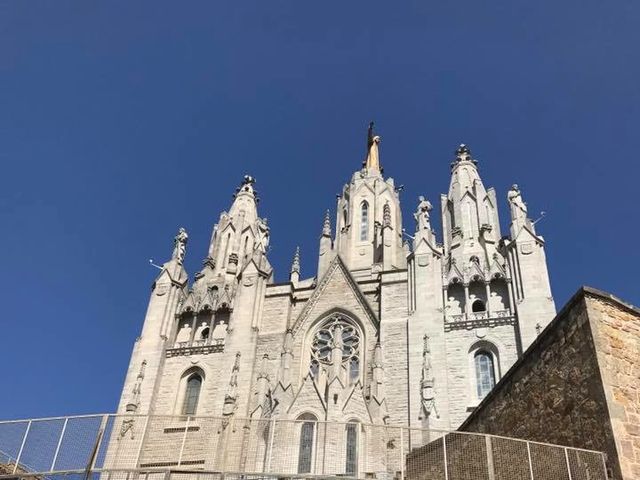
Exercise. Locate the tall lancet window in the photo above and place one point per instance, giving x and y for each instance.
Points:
(364, 221)
(485, 373)
(192, 394)
(351, 467)
(305, 453)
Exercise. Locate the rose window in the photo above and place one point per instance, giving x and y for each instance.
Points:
(336, 335)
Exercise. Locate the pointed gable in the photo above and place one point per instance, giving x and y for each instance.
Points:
(336, 291)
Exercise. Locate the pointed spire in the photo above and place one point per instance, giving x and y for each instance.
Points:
(326, 226)
(372, 162)
(294, 275)
(295, 265)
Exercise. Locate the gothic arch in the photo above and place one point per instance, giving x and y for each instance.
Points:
(485, 346)
(183, 384)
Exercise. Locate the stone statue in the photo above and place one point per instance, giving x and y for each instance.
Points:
(422, 214)
(263, 235)
(516, 204)
(180, 245)
(373, 156)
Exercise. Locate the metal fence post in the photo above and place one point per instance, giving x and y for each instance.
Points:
(444, 451)
(96, 448)
(401, 452)
(55, 455)
(490, 466)
(24, 440)
(530, 462)
(184, 440)
(270, 444)
(566, 456)
(144, 432)
(226, 447)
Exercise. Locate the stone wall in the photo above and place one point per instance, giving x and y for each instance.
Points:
(576, 385)
(616, 330)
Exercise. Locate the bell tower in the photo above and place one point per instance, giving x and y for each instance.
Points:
(369, 220)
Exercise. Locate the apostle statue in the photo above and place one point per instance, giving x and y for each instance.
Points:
(422, 214)
(180, 245)
(263, 235)
(516, 205)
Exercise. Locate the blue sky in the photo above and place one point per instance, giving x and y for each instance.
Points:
(122, 121)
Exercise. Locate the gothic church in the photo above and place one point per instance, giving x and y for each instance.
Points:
(393, 329)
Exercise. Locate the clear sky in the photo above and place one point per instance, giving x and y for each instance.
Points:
(122, 121)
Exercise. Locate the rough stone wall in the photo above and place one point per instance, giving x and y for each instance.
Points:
(617, 338)
(554, 393)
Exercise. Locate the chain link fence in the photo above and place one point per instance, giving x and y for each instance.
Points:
(131, 447)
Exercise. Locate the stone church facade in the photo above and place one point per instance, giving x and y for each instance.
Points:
(393, 329)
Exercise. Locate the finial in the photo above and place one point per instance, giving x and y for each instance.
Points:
(247, 186)
(326, 226)
(180, 245)
(295, 265)
(463, 154)
(386, 215)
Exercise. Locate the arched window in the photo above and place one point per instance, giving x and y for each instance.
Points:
(351, 467)
(478, 306)
(192, 394)
(364, 221)
(485, 372)
(305, 453)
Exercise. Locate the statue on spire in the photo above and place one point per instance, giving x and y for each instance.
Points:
(422, 214)
(180, 245)
(516, 205)
(373, 156)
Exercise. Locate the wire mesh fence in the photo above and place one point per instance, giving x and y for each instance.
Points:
(133, 447)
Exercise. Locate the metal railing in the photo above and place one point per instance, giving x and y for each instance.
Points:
(127, 447)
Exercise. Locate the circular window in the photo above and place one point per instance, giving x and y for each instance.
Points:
(337, 334)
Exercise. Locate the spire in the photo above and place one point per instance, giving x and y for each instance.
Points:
(295, 265)
(372, 162)
(294, 275)
(245, 198)
(326, 227)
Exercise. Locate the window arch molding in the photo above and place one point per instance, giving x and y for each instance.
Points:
(485, 347)
(327, 319)
(180, 407)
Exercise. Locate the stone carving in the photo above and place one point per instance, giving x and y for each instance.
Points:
(263, 235)
(180, 245)
(386, 215)
(127, 426)
(427, 393)
(422, 215)
(184, 335)
(463, 154)
(230, 398)
(373, 156)
(133, 405)
(516, 205)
